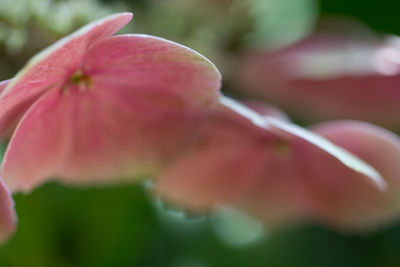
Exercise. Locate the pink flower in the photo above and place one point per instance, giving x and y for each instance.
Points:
(274, 169)
(330, 75)
(95, 108)
(381, 149)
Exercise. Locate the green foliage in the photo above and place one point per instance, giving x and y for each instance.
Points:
(121, 226)
(281, 22)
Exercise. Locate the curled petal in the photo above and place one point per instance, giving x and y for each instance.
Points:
(381, 149)
(51, 67)
(271, 167)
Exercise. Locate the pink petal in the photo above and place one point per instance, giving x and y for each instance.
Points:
(51, 67)
(147, 63)
(381, 149)
(148, 96)
(329, 75)
(271, 167)
(220, 167)
(39, 144)
(8, 218)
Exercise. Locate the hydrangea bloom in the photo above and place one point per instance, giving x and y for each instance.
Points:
(330, 75)
(273, 168)
(94, 107)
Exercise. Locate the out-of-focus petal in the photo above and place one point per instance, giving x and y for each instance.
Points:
(271, 167)
(8, 218)
(329, 75)
(40, 143)
(51, 67)
(215, 168)
(381, 149)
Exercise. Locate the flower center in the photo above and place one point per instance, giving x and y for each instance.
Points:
(80, 80)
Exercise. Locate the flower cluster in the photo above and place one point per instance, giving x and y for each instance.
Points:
(96, 109)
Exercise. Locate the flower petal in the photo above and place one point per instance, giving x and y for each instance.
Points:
(39, 144)
(51, 67)
(144, 62)
(118, 139)
(8, 218)
(270, 167)
(147, 99)
(381, 149)
(329, 75)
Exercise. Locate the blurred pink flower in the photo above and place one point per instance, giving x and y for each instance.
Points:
(273, 168)
(95, 108)
(381, 149)
(345, 74)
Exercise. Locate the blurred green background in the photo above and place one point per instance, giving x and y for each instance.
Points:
(124, 225)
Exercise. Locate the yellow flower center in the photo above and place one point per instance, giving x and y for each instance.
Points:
(79, 79)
